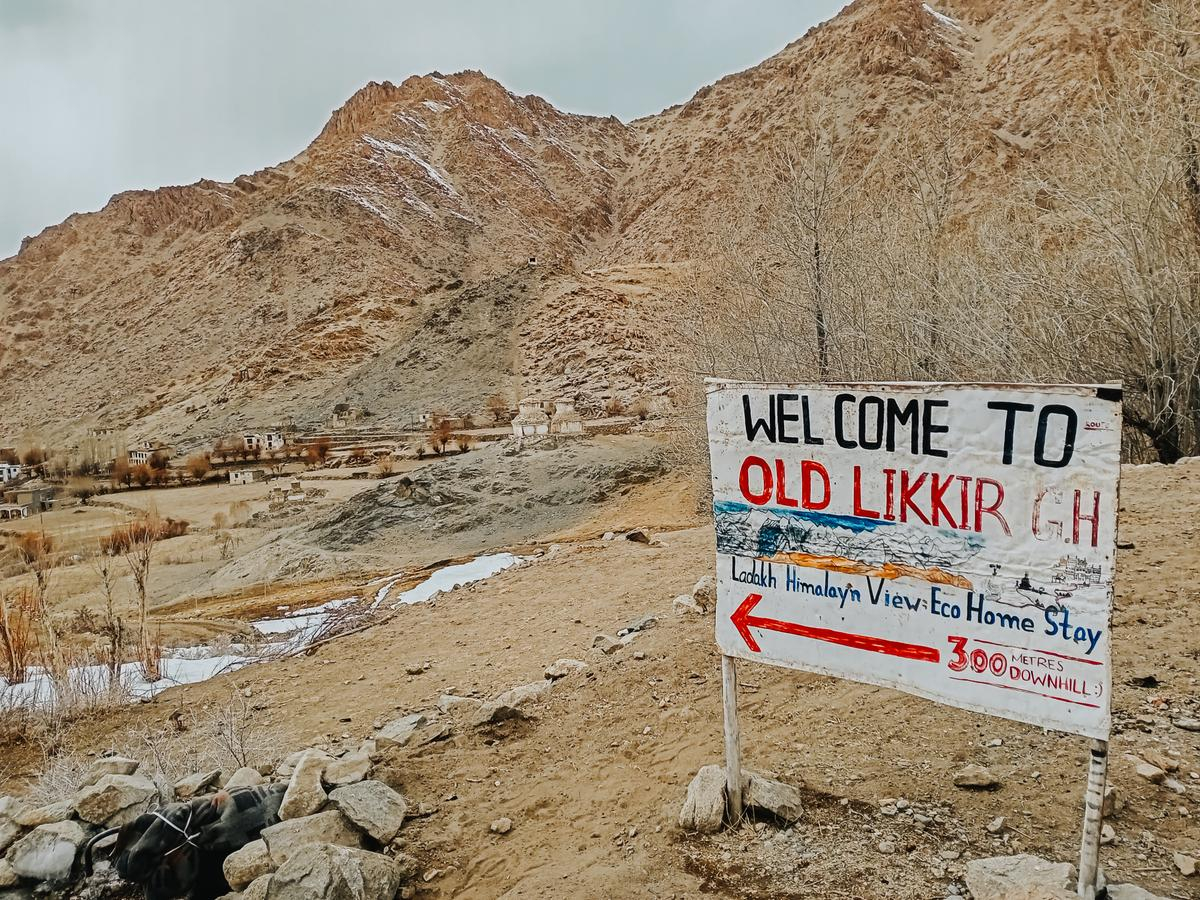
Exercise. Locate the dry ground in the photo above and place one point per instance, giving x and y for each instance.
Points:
(594, 779)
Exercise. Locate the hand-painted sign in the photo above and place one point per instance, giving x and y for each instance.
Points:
(955, 541)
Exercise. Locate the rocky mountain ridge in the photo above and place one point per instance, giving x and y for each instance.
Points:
(444, 239)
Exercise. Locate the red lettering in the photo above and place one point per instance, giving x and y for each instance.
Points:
(937, 493)
(889, 510)
(781, 496)
(859, 509)
(1094, 518)
(809, 468)
(754, 462)
(964, 482)
(906, 496)
(992, 508)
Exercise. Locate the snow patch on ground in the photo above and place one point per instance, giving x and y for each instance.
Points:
(941, 17)
(194, 664)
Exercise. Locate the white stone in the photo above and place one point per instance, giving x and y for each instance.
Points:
(704, 808)
(399, 732)
(372, 806)
(564, 667)
(1021, 877)
(244, 865)
(244, 777)
(108, 765)
(48, 852)
(329, 872)
(305, 795)
(328, 827)
(116, 800)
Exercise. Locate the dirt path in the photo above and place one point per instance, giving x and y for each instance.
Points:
(594, 779)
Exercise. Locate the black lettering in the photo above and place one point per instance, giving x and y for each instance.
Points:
(754, 426)
(929, 429)
(865, 439)
(896, 415)
(809, 437)
(784, 417)
(838, 431)
(1039, 444)
(1010, 423)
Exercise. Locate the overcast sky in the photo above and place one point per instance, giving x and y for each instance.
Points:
(100, 97)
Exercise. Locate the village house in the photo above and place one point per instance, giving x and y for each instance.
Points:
(100, 447)
(9, 472)
(34, 496)
(263, 441)
(140, 455)
(532, 418)
(247, 476)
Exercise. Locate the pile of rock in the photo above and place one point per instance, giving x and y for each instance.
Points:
(337, 838)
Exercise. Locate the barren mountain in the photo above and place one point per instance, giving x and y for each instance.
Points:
(388, 264)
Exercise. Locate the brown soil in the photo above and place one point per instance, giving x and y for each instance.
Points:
(594, 778)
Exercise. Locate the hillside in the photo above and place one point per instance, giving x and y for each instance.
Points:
(388, 264)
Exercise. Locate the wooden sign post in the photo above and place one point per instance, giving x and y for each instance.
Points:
(954, 541)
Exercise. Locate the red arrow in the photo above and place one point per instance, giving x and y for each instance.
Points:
(743, 622)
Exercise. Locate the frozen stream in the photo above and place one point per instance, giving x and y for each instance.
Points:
(296, 630)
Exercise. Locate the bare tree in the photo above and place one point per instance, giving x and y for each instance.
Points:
(135, 542)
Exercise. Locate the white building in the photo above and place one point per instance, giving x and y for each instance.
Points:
(531, 419)
(565, 419)
(9, 472)
(247, 476)
(266, 441)
(141, 454)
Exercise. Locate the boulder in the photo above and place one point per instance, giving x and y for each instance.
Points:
(1160, 759)
(372, 806)
(350, 769)
(1020, 877)
(48, 852)
(305, 794)
(977, 778)
(248, 863)
(329, 872)
(1130, 892)
(59, 811)
(399, 732)
(11, 809)
(196, 784)
(116, 800)
(494, 711)
(522, 694)
(1185, 864)
(684, 605)
(704, 808)
(258, 888)
(564, 667)
(8, 878)
(774, 798)
(244, 777)
(705, 592)
(606, 644)
(450, 703)
(328, 827)
(639, 536)
(107, 765)
(1150, 772)
(508, 705)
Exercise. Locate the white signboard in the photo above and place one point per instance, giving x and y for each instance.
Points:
(955, 541)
